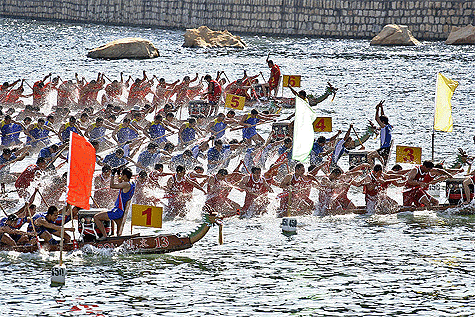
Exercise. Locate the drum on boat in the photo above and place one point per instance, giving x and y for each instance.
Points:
(198, 107)
(86, 226)
(281, 130)
(454, 190)
(356, 158)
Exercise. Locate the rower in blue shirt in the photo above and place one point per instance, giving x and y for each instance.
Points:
(218, 126)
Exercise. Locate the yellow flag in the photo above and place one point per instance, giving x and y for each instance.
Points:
(443, 108)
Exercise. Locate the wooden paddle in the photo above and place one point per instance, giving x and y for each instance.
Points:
(362, 146)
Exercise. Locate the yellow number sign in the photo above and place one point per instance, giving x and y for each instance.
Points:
(235, 101)
(322, 124)
(147, 216)
(408, 154)
(291, 80)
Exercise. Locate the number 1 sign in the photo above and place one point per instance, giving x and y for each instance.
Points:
(147, 216)
(408, 154)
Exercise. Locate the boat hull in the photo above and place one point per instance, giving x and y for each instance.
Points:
(135, 244)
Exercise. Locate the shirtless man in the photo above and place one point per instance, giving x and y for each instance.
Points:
(256, 188)
(126, 192)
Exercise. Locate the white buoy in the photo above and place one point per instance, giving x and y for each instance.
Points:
(58, 275)
(289, 225)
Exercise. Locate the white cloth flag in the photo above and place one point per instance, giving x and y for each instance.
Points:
(303, 130)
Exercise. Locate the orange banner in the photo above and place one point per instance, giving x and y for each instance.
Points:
(82, 160)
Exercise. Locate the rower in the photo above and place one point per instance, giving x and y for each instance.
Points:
(148, 158)
(340, 148)
(328, 183)
(217, 127)
(293, 186)
(218, 156)
(36, 133)
(318, 149)
(217, 201)
(26, 177)
(187, 132)
(414, 191)
(256, 187)
(45, 226)
(249, 121)
(67, 128)
(116, 159)
(175, 190)
(126, 193)
(8, 127)
(156, 130)
(124, 132)
(6, 159)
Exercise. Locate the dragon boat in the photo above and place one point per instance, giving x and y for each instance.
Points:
(150, 244)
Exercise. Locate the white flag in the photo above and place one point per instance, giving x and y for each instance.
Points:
(303, 130)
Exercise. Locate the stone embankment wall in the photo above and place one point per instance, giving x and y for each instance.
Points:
(430, 20)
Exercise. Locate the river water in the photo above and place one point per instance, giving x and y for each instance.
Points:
(408, 264)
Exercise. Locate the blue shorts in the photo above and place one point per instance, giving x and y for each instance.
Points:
(115, 213)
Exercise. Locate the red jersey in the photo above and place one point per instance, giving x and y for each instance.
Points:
(420, 176)
(216, 91)
(25, 178)
(274, 76)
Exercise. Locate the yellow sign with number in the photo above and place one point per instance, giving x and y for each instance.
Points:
(147, 216)
(291, 80)
(408, 154)
(235, 102)
(322, 124)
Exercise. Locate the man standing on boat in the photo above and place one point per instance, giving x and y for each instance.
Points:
(213, 93)
(386, 136)
(274, 79)
(127, 189)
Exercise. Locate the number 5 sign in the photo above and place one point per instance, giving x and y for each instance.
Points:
(291, 80)
(408, 154)
(322, 124)
(147, 216)
(235, 101)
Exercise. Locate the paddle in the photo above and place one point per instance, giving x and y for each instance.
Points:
(362, 146)
(33, 225)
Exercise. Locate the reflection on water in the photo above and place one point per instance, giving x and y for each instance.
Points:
(407, 264)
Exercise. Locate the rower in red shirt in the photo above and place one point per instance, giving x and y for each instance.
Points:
(274, 79)
(26, 177)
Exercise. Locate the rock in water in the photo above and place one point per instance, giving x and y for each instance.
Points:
(393, 34)
(461, 35)
(204, 37)
(131, 47)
